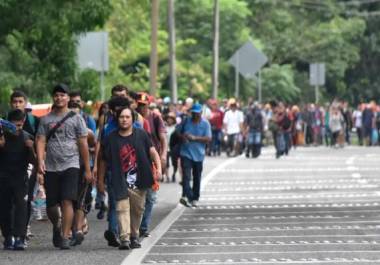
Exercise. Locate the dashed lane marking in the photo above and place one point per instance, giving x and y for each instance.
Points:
(272, 214)
(137, 256)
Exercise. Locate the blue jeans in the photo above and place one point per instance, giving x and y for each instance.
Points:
(254, 137)
(216, 140)
(113, 224)
(190, 167)
(150, 200)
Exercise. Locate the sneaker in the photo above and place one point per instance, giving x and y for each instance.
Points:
(184, 201)
(194, 203)
(9, 243)
(100, 214)
(29, 233)
(124, 245)
(65, 244)
(111, 238)
(77, 239)
(19, 244)
(135, 243)
(56, 237)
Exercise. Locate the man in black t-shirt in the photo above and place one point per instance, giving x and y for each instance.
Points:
(19, 100)
(129, 153)
(16, 152)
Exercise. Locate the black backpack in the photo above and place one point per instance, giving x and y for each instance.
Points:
(255, 120)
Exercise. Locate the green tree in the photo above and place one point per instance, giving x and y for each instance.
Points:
(38, 48)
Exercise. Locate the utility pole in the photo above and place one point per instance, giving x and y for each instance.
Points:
(237, 68)
(153, 64)
(172, 60)
(215, 68)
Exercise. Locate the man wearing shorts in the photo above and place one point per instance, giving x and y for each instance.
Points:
(60, 164)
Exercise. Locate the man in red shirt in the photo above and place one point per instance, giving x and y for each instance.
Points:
(216, 122)
(155, 127)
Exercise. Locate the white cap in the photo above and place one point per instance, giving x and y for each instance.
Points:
(28, 106)
(189, 101)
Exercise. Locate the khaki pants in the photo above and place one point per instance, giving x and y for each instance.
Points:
(129, 213)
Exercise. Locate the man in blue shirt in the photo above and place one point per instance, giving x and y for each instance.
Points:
(196, 133)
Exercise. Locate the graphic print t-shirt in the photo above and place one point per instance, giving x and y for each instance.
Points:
(62, 150)
(128, 160)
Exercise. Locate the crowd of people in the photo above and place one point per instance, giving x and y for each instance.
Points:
(133, 143)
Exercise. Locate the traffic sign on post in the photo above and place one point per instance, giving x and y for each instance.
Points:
(247, 60)
(317, 77)
(92, 52)
(317, 74)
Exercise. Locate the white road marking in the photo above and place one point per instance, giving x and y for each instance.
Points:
(276, 236)
(292, 212)
(137, 255)
(350, 161)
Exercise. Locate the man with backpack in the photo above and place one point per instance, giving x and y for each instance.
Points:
(19, 100)
(16, 152)
(155, 127)
(195, 132)
(62, 134)
(75, 97)
(254, 128)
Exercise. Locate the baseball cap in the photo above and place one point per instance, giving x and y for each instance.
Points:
(61, 88)
(143, 98)
(232, 101)
(196, 108)
(28, 106)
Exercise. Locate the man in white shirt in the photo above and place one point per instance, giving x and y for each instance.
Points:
(358, 123)
(233, 126)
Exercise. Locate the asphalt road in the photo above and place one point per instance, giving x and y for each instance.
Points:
(94, 249)
(316, 206)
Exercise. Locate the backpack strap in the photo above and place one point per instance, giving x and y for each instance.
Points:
(58, 124)
(32, 122)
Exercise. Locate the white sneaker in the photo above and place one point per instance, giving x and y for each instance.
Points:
(184, 201)
(194, 203)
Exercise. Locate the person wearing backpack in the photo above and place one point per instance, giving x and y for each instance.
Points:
(16, 152)
(254, 125)
(155, 127)
(195, 133)
(61, 142)
(19, 100)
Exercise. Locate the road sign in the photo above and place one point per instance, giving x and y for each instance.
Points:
(248, 60)
(317, 74)
(92, 51)
(317, 77)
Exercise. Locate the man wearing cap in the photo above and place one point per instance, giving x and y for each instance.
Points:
(196, 133)
(216, 122)
(64, 144)
(233, 125)
(155, 127)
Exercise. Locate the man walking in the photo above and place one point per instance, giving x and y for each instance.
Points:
(155, 127)
(63, 135)
(16, 151)
(129, 153)
(196, 133)
(233, 126)
(19, 100)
